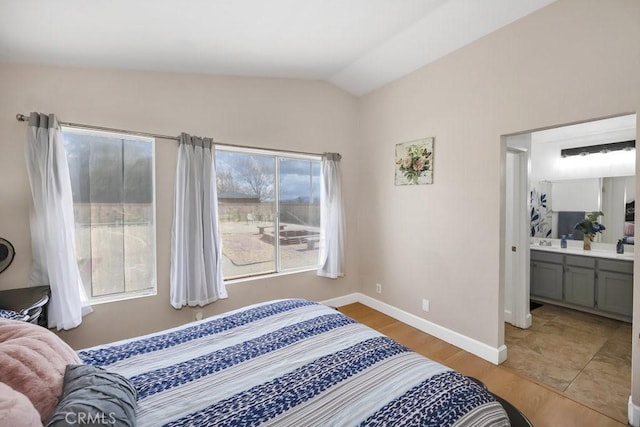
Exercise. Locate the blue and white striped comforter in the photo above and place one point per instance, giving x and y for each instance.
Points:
(290, 362)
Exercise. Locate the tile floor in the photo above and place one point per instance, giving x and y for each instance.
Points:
(587, 357)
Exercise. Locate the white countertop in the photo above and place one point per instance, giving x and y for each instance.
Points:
(573, 250)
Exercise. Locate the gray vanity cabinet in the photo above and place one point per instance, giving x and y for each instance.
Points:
(546, 275)
(593, 284)
(579, 281)
(615, 287)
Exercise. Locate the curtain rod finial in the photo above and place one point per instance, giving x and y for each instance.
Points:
(21, 117)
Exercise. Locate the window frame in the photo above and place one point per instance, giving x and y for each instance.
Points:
(276, 191)
(103, 299)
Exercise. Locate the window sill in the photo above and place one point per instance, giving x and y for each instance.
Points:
(121, 297)
(268, 276)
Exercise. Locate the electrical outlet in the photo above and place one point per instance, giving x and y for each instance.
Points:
(425, 305)
(378, 288)
(198, 314)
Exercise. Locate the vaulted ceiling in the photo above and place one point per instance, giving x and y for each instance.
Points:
(358, 45)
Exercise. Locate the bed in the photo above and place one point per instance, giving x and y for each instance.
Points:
(285, 363)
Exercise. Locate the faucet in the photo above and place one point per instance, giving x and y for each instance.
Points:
(544, 242)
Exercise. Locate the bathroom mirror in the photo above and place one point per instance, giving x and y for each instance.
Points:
(6, 254)
(570, 200)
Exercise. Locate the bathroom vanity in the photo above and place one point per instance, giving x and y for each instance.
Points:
(598, 282)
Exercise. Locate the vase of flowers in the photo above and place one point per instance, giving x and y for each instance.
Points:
(590, 226)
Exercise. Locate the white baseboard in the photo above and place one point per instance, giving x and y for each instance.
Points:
(343, 300)
(633, 413)
(508, 317)
(486, 352)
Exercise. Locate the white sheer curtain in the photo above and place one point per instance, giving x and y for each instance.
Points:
(52, 224)
(196, 247)
(331, 261)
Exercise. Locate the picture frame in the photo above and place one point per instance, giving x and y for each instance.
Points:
(414, 162)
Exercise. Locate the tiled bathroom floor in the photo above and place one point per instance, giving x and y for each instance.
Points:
(587, 357)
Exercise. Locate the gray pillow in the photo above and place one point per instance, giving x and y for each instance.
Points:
(93, 396)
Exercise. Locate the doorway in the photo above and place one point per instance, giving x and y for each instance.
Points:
(544, 222)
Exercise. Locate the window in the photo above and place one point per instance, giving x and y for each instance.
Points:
(269, 211)
(112, 181)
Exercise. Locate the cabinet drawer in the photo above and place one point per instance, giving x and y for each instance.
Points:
(546, 256)
(581, 261)
(579, 286)
(546, 280)
(615, 293)
(617, 266)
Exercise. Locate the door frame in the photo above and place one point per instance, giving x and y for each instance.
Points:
(519, 282)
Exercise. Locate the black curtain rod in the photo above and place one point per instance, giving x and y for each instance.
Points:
(25, 118)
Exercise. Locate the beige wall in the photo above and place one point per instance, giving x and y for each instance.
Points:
(574, 60)
(274, 113)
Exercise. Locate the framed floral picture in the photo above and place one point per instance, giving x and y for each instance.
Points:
(414, 162)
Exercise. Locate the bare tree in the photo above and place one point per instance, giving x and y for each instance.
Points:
(256, 177)
(225, 182)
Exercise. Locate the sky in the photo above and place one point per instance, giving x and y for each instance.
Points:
(299, 178)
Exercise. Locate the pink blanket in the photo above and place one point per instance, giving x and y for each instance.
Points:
(33, 361)
(16, 409)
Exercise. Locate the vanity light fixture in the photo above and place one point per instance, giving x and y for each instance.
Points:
(602, 148)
